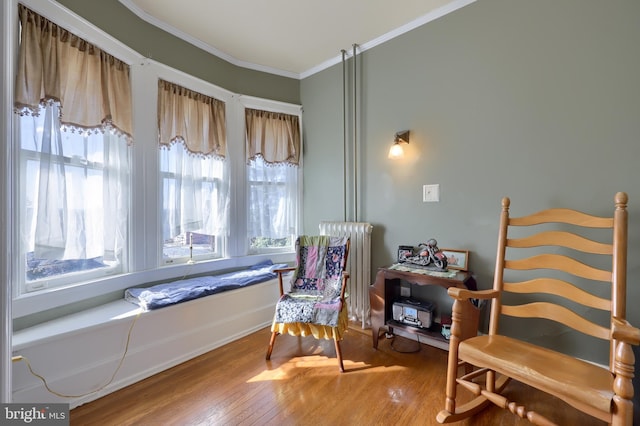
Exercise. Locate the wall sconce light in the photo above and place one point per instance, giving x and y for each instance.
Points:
(397, 151)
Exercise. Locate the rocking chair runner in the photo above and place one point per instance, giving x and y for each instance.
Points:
(315, 304)
(604, 393)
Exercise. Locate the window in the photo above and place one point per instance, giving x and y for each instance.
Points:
(273, 147)
(193, 169)
(192, 190)
(74, 157)
(74, 201)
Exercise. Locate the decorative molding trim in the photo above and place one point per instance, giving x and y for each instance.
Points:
(200, 44)
(431, 16)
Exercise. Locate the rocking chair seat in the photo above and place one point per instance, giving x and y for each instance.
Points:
(563, 376)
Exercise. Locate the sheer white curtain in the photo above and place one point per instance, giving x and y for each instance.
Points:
(273, 199)
(49, 200)
(273, 155)
(76, 189)
(195, 193)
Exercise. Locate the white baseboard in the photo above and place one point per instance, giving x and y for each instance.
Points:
(78, 360)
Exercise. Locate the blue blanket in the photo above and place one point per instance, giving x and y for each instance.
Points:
(161, 295)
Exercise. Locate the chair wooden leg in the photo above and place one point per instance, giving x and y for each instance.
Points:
(272, 341)
(339, 355)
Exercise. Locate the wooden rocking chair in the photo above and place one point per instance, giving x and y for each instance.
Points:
(538, 287)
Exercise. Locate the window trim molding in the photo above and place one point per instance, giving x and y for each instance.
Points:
(245, 101)
(8, 18)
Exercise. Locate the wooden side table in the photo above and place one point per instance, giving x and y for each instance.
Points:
(386, 289)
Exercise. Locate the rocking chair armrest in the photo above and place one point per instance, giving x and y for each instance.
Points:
(623, 331)
(464, 294)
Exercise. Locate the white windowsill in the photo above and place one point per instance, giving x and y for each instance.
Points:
(32, 303)
(75, 323)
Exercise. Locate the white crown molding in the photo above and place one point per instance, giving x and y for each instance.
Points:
(201, 44)
(431, 16)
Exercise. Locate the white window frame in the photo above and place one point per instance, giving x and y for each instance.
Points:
(187, 81)
(145, 245)
(281, 107)
(57, 281)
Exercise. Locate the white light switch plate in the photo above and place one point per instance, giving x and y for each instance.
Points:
(431, 193)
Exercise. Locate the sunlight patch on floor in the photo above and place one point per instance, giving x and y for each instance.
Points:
(283, 372)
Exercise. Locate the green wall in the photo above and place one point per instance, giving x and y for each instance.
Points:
(535, 100)
(115, 19)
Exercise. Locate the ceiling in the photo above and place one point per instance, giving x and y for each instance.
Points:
(292, 38)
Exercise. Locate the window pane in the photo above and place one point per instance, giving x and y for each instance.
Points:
(273, 205)
(192, 187)
(73, 224)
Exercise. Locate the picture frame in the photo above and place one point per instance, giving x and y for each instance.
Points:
(457, 259)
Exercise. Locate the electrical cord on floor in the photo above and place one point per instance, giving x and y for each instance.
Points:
(46, 385)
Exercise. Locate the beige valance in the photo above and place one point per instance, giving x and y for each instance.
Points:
(273, 136)
(196, 120)
(93, 87)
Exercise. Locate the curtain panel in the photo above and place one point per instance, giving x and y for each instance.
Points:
(273, 136)
(196, 120)
(92, 87)
(75, 195)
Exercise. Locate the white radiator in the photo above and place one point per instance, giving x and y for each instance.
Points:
(358, 265)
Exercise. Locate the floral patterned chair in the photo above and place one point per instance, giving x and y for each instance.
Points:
(315, 303)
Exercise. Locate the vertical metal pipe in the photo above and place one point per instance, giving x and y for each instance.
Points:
(344, 136)
(355, 135)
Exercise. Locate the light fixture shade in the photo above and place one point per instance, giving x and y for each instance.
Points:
(397, 151)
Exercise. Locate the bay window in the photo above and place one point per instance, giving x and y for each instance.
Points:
(212, 176)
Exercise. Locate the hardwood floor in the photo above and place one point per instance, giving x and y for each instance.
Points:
(301, 385)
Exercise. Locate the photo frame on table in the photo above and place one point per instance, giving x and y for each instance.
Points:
(457, 259)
